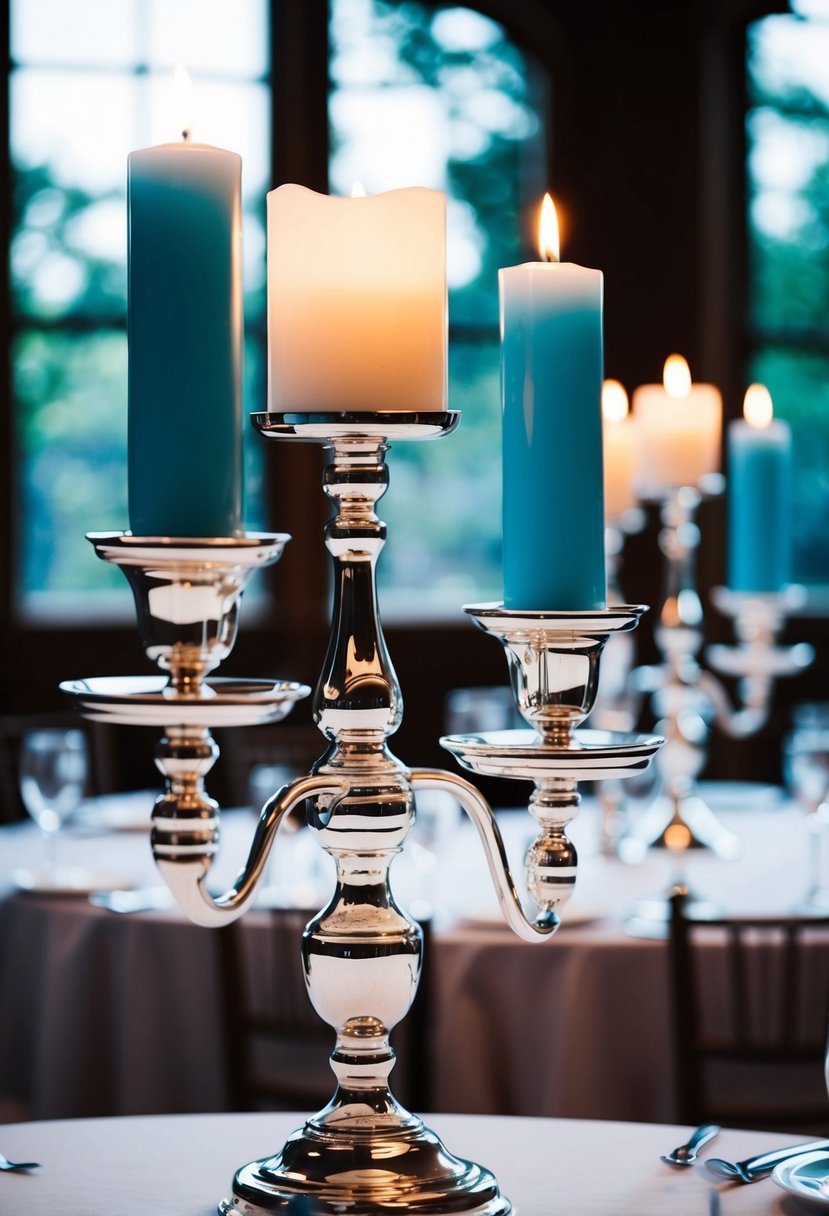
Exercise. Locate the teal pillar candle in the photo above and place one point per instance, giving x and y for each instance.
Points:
(185, 341)
(551, 381)
(759, 499)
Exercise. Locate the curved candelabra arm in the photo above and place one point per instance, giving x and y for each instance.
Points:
(756, 660)
(751, 716)
(480, 812)
(185, 873)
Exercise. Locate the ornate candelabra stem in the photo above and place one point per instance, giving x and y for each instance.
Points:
(362, 953)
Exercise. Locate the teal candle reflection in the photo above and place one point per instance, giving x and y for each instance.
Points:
(185, 341)
(551, 380)
(759, 498)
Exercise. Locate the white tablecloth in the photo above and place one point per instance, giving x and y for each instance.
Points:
(111, 1014)
(185, 1165)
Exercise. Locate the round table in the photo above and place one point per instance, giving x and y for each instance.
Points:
(105, 1014)
(161, 1165)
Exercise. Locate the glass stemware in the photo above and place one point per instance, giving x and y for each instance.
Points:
(53, 770)
(806, 773)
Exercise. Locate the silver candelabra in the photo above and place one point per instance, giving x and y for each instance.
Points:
(689, 699)
(363, 1153)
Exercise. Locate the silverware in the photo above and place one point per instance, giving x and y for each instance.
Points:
(686, 1154)
(758, 1167)
(147, 899)
(17, 1166)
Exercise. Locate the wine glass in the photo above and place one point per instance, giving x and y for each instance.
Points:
(806, 772)
(53, 769)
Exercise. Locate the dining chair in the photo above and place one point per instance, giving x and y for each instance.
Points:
(276, 1046)
(750, 1003)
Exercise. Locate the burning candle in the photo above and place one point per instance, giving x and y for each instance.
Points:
(680, 424)
(356, 301)
(619, 434)
(759, 497)
(551, 382)
(185, 340)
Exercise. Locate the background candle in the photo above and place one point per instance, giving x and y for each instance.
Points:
(759, 497)
(551, 380)
(619, 436)
(185, 341)
(680, 426)
(356, 301)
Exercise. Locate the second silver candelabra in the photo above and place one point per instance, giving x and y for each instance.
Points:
(689, 699)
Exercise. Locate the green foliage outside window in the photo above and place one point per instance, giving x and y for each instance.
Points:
(788, 179)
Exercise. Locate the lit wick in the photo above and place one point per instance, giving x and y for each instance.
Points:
(548, 243)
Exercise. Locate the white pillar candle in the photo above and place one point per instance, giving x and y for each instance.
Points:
(620, 451)
(356, 301)
(680, 426)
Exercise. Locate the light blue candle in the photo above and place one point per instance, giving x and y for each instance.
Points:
(185, 341)
(759, 498)
(551, 381)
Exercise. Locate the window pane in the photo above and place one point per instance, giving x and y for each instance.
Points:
(54, 31)
(438, 96)
(68, 249)
(789, 218)
(76, 125)
(443, 506)
(71, 433)
(788, 231)
(209, 35)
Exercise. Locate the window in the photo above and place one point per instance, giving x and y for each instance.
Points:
(440, 96)
(461, 111)
(89, 82)
(788, 231)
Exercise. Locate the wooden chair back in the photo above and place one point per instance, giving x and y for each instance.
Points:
(750, 1003)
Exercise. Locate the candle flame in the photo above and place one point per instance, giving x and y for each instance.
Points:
(758, 410)
(358, 190)
(614, 401)
(548, 242)
(676, 377)
(183, 86)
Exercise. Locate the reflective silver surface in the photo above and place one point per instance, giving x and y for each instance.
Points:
(385, 425)
(363, 1153)
(686, 1154)
(553, 659)
(688, 699)
(150, 701)
(187, 593)
(589, 755)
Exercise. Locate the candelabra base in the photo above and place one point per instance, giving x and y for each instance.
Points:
(678, 822)
(365, 1167)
